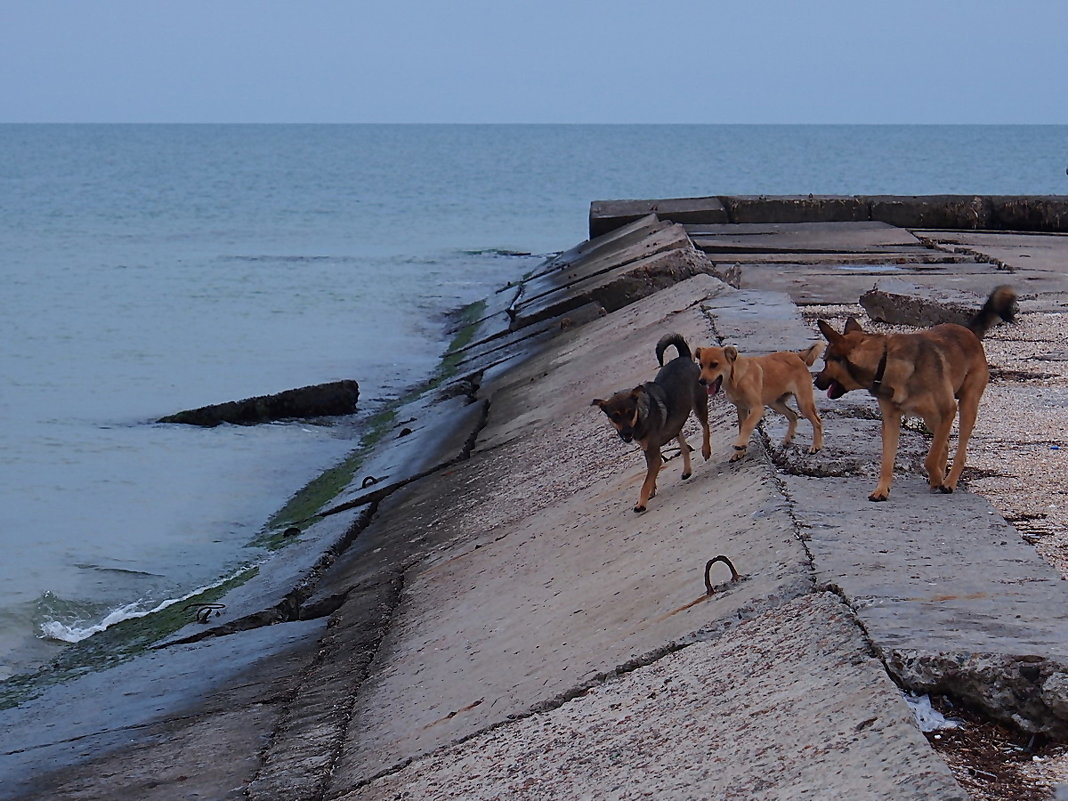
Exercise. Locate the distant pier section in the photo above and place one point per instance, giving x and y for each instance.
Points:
(1046, 214)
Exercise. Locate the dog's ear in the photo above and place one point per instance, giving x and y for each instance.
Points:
(827, 331)
(697, 354)
(730, 353)
(852, 325)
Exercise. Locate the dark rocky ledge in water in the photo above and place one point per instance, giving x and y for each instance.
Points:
(319, 400)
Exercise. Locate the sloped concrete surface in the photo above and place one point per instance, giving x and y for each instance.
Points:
(502, 625)
(695, 725)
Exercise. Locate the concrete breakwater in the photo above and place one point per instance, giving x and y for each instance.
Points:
(478, 613)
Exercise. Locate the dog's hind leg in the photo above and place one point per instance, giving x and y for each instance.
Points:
(969, 410)
(806, 403)
(940, 421)
(780, 406)
(653, 461)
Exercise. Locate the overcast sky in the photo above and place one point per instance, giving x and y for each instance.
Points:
(570, 61)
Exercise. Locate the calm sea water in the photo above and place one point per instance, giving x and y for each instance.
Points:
(147, 269)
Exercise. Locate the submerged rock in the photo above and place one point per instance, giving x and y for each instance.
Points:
(319, 400)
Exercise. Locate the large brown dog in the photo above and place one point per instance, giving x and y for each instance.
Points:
(933, 374)
(753, 382)
(654, 413)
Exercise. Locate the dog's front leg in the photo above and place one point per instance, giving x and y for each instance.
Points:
(891, 434)
(687, 466)
(653, 460)
(745, 430)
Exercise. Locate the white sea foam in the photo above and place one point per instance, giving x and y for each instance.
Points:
(72, 633)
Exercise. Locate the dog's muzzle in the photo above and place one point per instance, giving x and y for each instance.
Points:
(834, 389)
(627, 435)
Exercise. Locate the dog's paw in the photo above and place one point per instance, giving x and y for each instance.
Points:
(686, 476)
(879, 496)
(639, 508)
(813, 450)
(707, 453)
(945, 489)
(738, 454)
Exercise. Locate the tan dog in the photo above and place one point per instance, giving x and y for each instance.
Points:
(934, 374)
(753, 382)
(653, 413)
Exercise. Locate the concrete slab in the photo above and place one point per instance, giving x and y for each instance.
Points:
(913, 258)
(601, 241)
(951, 596)
(796, 208)
(818, 237)
(694, 724)
(626, 250)
(619, 287)
(840, 286)
(437, 433)
(608, 214)
(1016, 251)
(275, 594)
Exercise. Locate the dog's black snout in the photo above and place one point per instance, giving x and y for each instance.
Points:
(821, 381)
(702, 382)
(626, 435)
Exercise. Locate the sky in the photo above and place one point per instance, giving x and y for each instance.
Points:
(538, 61)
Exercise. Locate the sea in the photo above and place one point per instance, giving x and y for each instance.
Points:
(146, 269)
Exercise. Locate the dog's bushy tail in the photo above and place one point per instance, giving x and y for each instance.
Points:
(811, 353)
(1001, 305)
(672, 339)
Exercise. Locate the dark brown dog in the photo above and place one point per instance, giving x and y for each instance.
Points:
(655, 412)
(753, 382)
(933, 374)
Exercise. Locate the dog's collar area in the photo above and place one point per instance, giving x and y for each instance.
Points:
(877, 382)
(876, 386)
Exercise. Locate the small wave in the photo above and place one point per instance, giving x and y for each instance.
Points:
(77, 631)
(55, 630)
(290, 259)
(497, 252)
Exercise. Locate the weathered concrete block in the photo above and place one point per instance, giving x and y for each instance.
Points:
(619, 287)
(795, 208)
(931, 211)
(608, 214)
(319, 400)
(900, 303)
(1030, 213)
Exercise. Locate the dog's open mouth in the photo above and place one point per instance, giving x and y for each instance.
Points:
(835, 390)
(713, 388)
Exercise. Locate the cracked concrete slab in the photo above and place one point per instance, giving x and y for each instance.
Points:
(695, 724)
(942, 580)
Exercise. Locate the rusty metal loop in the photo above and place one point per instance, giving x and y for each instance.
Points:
(368, 482)
(204, 610)
(735, 575)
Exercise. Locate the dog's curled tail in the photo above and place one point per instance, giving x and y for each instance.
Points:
(811, 353)
(672, 339)
(1001, 305)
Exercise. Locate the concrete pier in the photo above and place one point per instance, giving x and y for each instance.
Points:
(490, 619)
